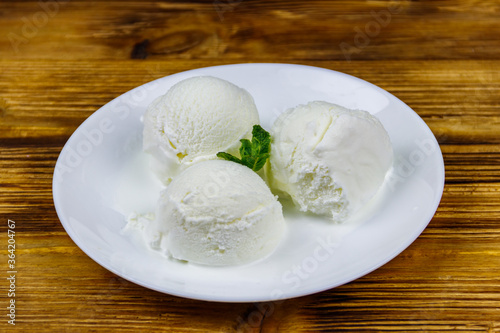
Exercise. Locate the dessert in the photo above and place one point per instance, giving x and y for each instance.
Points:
(217, 213)
(330, 160)
(197, 118)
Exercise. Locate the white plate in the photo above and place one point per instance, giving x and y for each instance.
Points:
(100, 178)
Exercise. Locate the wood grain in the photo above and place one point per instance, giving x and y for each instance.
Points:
(457, 99)
(242, 29)
(440, 57)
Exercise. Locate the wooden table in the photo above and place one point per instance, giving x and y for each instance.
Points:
(62, 60)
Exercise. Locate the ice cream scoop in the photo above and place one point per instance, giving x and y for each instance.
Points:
(197, 118)
(217, 213)
(330, 160)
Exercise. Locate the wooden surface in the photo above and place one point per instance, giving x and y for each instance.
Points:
(62, 60)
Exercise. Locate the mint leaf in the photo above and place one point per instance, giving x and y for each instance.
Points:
(246, 148)
(228, 157)
(263, 139)
(255, 153)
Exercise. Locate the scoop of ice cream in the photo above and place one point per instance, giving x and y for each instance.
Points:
(330, 160)
(194, 120)
(217, 213)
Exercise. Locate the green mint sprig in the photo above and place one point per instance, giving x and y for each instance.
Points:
(253, 154)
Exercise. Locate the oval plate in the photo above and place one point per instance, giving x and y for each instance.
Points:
(100, 178)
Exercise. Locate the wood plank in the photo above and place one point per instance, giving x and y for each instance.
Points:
(235, 29)
(27, 183)
(48, 100)
(429, 286)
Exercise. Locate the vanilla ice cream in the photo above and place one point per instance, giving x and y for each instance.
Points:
(330, 160)
(217, 213)
(197, 118)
